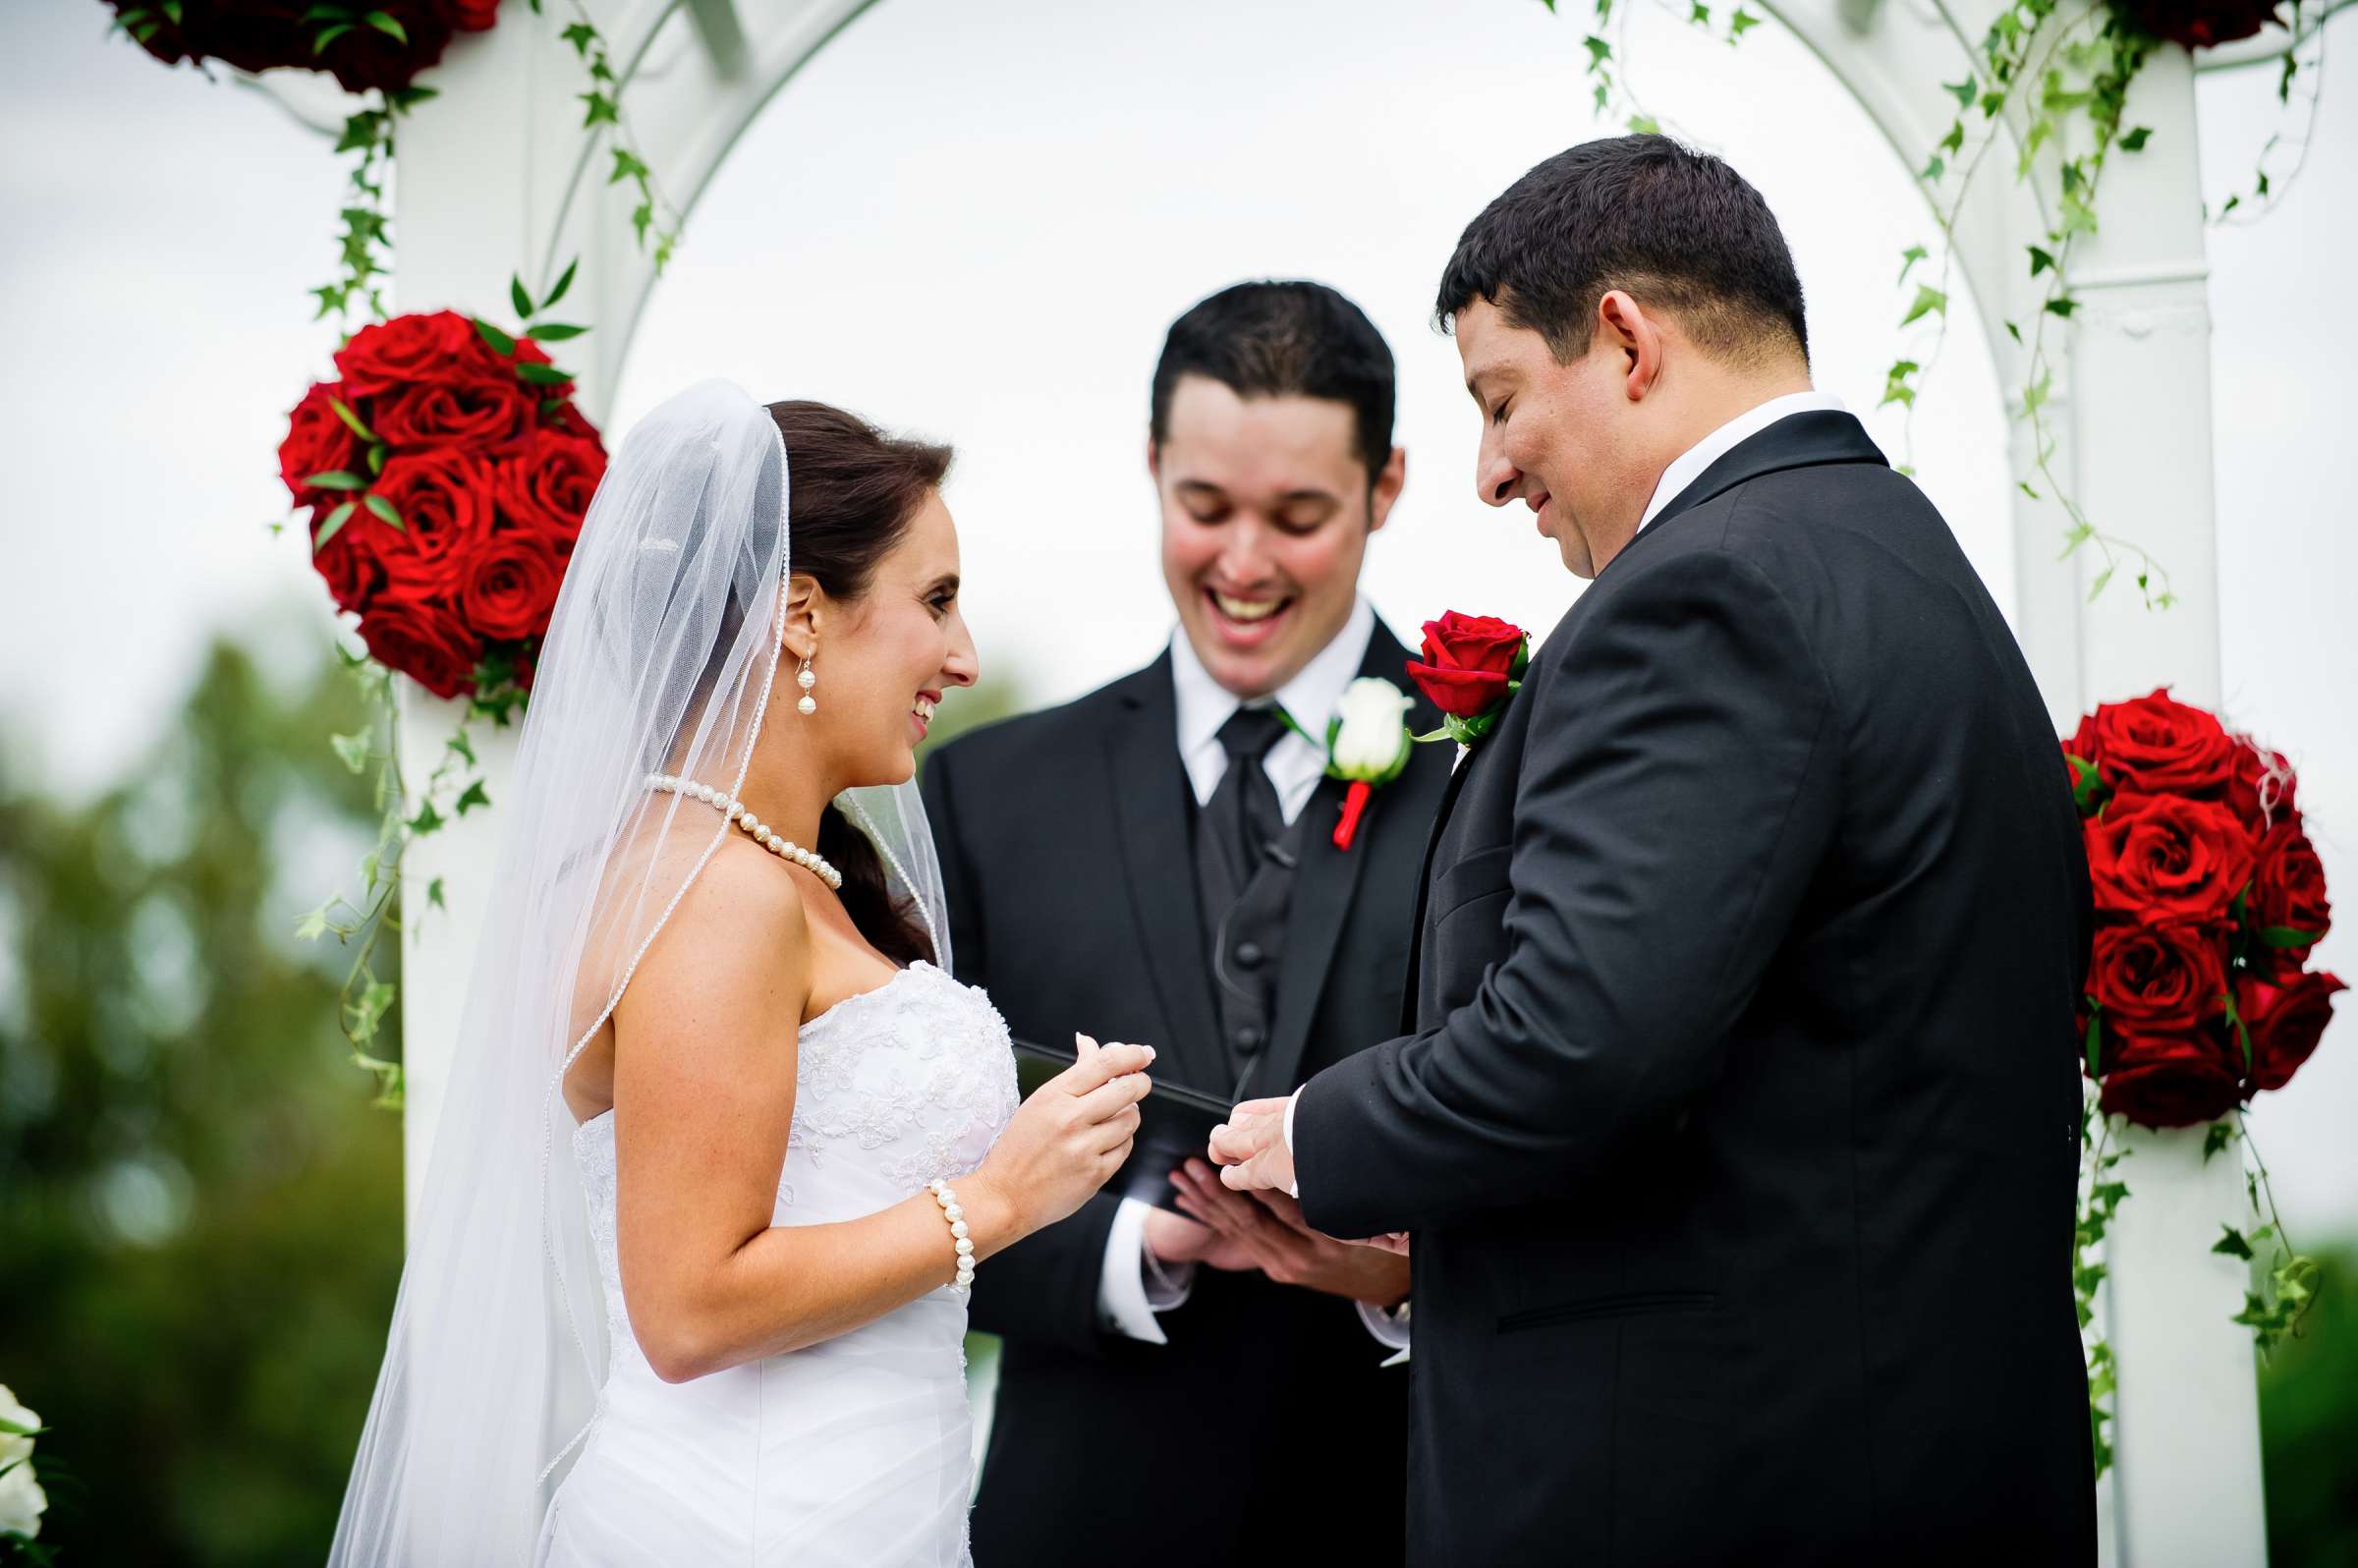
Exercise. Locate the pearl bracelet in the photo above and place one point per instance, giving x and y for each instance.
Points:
(948, 1199)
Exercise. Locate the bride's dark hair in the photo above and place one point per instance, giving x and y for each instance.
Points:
(851, 493)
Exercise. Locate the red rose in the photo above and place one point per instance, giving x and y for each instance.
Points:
(2200, 25)
(2158, 979)
(351, 561)
(545, 487)
(2161, 858)
(2158, 745)
(2288, 893)
(428, 346)
(2179, 1082)
(423, 640)
(468, 15)
(2285, 1023)
(510, 587)
(2261, 790)
(471, 413)
(1469, 660)
(444, 498)
(317, 442)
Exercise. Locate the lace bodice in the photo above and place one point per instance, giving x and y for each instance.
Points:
(893, 1088)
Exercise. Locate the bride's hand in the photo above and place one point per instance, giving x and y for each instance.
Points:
(1067, 1139)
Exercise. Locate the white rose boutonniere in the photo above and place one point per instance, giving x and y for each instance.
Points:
(22, 1501)
(1368, 745)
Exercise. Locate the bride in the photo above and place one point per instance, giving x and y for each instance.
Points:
(724, 1143)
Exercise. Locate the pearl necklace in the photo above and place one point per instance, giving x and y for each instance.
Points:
(734, 809)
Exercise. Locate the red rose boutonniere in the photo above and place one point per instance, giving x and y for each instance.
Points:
(1472, 665)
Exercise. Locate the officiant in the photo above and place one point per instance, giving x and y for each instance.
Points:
(1159, 862)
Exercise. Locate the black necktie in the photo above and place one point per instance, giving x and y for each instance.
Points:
(1243, 817)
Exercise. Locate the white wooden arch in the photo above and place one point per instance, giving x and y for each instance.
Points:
(495, 171)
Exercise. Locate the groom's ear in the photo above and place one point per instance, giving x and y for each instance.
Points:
(1624, 328)
(1154, 460)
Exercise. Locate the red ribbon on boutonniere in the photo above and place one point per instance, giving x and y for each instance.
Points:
(1367, 745)
(1472, 665)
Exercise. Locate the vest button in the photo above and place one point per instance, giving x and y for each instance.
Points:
(1248, 1039)
(1250, 954)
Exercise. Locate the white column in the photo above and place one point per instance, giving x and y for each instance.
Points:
(464, 218)
(2185, 1490)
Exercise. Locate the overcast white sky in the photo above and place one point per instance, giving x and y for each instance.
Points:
(977, 222)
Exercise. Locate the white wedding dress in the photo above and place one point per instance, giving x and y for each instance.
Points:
(855, 1452)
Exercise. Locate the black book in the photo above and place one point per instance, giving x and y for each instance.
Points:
(1175, 1124)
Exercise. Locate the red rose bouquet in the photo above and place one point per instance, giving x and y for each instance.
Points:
(377, 45)
(446, 471)
(2209, 897)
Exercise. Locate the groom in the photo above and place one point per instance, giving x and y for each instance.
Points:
(1159, 861)
(1737, 1130)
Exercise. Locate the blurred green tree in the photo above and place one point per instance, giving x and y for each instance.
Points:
(199, 1211)
(2309, 1427)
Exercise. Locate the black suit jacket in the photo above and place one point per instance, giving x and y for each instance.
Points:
(1065, 844)
(1738, 1126)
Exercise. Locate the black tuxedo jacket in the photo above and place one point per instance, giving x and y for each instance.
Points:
(1065, 843)
(1738, 1124)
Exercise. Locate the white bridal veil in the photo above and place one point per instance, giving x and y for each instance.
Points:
(661, 657)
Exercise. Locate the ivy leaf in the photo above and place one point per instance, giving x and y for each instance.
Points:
(1991, 104)
(351, 419)
(1701, 15)
(388, 27)
(334, 521)
(1739, 23)
(1599, 51)
(1954, 142)
(581, 35)
(2015, 333)
(2135, 140)
(433, 894)
(352, 751)
(2218, 1137)
(2103, 580)
(2062, 306)
(2024, 485)
(2232, 1244)
(386, 512)
(602, 110)
(474, 796)
(1928, 300)
(1909, 257)
(627, 167)
(427, 821)
(1962, 91)
(460, 744)
(645, 212)
(1933, 170)
(2034, 397)
(501, 343)
(518, 299)
(2040, 260)
(312, 926)
(1645, 125)
(563, 282)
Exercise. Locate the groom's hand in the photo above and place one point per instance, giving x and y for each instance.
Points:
(1268, 1229)
(1251, 1143)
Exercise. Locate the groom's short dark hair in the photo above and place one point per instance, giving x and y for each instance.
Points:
(1284, 340)
(1676, 228)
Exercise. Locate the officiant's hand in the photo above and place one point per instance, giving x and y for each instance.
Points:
(1177, 1238)
(1270, 1229)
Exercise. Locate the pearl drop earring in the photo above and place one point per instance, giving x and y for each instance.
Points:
(807, 679)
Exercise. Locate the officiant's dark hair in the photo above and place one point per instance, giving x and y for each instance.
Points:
(1293, 339)
(1676, 228)
(851, 493)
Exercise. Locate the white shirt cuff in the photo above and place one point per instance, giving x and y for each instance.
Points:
(1389, 1325)
(1134, 1285)
(1293, 1189)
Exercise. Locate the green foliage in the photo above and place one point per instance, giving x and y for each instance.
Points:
(2309, 1427)
(602, 107)
(202, 1215)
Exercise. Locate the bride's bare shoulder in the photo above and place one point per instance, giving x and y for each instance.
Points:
(739, 932)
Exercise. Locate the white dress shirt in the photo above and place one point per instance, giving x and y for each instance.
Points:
(1683, 471)
(1132, 1285)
